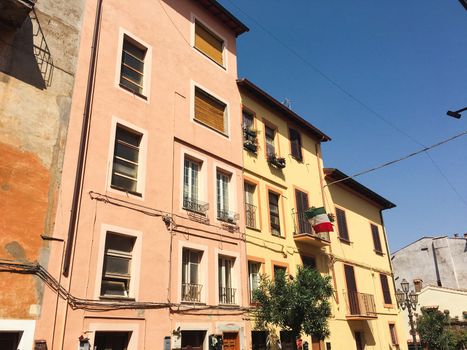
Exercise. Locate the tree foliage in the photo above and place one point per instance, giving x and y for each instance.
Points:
(435, 331)
(299, 305)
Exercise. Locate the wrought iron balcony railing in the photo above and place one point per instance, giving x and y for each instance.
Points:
(250, 215)
(195, 205)
(303, 227)
(227, 216)
(360, 305)
(191, 292)
(227, 295)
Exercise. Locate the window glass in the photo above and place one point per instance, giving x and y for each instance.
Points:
(270, 145)
(226, 291)
(274, 213)
(250, 207)
(342, 224)
(132, 69)
(392, 332)
(222, 195)
(295, 144)
(191, 287)
(254, 276)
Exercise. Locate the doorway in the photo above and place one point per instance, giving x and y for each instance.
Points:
(231, 341)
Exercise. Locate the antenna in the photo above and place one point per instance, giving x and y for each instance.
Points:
(287, 102)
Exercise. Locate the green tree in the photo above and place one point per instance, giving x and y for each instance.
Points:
(299, 305)
(433, 328)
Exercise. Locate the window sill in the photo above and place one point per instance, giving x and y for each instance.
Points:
(389, 306)
(298, 159)
(230, 306)
(196, 303)
(137, 194)
(211, 128)
(278, 236)
(378, 252)
(346, 241)
(133, 92)
(115, 298)
(208, 57)
(257, 229)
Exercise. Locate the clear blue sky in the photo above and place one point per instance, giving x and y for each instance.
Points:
(407, 60)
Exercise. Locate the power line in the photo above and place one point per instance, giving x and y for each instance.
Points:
(425, 149)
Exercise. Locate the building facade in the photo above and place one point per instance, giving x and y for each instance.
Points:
(38, 62)
(154, 255)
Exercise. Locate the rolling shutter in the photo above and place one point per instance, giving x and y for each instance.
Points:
(208, 43)
(209, 110)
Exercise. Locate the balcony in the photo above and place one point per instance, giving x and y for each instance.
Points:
(250, 140)
(250, 215)
(195, 205)
(227, 216)
(305, 234)
(360, 306)
(14, 12)
(278, 162)
(191, 292)
(227, 295)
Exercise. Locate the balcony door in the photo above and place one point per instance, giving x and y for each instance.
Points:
(352, 290)
(301, 199)
(231, 341)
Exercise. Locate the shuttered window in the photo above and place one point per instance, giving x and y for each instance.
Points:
(209, 43)
(295, 144)
(386, 290)
(393, 333)
(274, 213)
(342, 224)
(302, 205)
(132, 69)
(376, 239)
(270, 143)
(209, 110)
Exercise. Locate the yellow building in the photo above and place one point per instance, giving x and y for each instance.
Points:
(284, 176)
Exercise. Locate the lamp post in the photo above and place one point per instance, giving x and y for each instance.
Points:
(456, 114)
(409, 301)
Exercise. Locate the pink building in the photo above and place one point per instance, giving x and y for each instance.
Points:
(152, 247)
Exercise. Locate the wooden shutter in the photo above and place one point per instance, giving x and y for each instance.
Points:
(209, 110)
(376, 238)
(295, 144)
(302, 205)
(342, 224)
(208, 43)
(385, 288)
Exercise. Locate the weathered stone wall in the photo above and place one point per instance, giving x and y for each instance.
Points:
(37, 67)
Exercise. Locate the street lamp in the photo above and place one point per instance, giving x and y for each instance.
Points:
(409, 301)
(456, 114)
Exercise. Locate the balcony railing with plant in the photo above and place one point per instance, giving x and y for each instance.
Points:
(303, 226)
(250, 139)
(195, 205)
(191, 292)
(227, 295)
(278, 162)
(250, 215)
(228, 216)
(360, 304)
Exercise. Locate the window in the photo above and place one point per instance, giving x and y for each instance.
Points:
(250, 207)
(10, 340)
(279, 270)
(248, 120)
(226, 291)
(342, 225)
(193, 340)
(259, 340)
(126, 160)
(376, 239)
(210, 111)
(111, 340)
(191, 288)
(132, 68)
(222, 194)
(295, 144)
(274, 213)
(386, 290)
(253, 277)
(117, 265)
(418, 285)
(191, 172)
(309, 261)
(270, 144)
(250, 140)
(301, 199)
(393, 333)
(209, 43)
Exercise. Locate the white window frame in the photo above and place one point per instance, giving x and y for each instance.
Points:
(122, 32)
(232, 188)
(223, 192)
(225, 65)
(132, 328)
(236, 274)
(135, 261)
(250, 278)
(25, 327)
(227, 132)
(202, 174)
(202, 270)
(142, 158)
(254, 201)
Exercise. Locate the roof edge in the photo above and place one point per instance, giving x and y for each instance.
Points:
(224, 16)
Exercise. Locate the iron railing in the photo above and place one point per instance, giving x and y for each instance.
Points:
(360, 304)
(195, 205)
(227, 295)
(302, 226)
(227, 216)
(250, 215)
(191, 292)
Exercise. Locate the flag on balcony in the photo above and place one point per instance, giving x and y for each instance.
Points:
(318, 218)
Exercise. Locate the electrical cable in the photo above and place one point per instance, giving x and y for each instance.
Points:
(425, 149)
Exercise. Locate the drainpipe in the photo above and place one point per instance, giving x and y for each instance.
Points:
(83, 143)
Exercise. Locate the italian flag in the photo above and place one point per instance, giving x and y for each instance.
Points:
(318, 218)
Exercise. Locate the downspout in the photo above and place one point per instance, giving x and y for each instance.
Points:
(83, 143)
